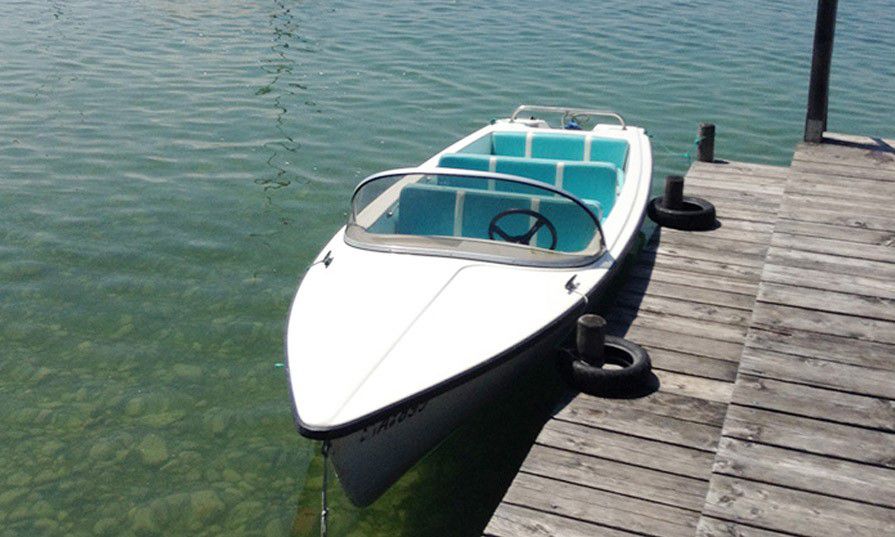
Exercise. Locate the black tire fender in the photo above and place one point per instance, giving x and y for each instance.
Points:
(696, 215)
(633, 373)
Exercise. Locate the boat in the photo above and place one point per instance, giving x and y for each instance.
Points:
(451, 278)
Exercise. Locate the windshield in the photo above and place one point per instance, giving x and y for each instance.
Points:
(477, 215)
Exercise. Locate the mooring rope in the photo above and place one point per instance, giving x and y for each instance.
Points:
(688, 155)
(323, 509)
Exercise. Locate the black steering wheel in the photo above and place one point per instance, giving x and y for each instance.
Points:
(525, 238)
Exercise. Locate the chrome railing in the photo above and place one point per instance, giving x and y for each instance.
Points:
(568, 112)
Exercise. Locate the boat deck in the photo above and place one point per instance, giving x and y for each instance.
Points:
(773, 339)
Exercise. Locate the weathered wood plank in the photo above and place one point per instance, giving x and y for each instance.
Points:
(683, 325)
(703, 267)
(853, 234)
(750, 261)
(600, 507)
(710, 241)
(681, 307)
(775, 317)
(681, 291)
(799, 470)
(517, 521)
(829, 215)
(841, 248)
(831, 301)
(693, 386)
(813, 402)
(656, 338)
(689, 364)
(831, 263)
(713, 527)
(660, 403)
(795, 512)
(618, 477)
(643, 425)
(810, 435)
(695, 280)
(625, 448)
(832, 348)
(821, 279)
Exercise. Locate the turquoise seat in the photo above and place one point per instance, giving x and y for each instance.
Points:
(593, 181)
(609, 150)
(574, 229)
(509, 144)
(426, 210)
(557, 146)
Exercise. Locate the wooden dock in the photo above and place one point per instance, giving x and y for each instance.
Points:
(773, 338)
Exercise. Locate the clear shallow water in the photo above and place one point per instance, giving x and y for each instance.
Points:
(168, 169)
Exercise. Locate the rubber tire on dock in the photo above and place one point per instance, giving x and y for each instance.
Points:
(697, 214)
(631, 377)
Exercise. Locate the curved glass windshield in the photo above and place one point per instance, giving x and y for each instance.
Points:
(477, 215)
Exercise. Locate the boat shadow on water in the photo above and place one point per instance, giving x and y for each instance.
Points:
(454, 490)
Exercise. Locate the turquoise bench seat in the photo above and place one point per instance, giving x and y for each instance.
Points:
(589, 181)
(427, 209)
(556, 146)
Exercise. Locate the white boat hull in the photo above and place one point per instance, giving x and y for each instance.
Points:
(400, 440)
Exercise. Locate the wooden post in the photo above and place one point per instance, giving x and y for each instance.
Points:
(674, 193)
(590, 339)
(705, 148)
(819, 88)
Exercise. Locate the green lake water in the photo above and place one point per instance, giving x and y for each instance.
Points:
(169, 168)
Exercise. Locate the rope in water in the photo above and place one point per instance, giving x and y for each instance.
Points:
(688, 155)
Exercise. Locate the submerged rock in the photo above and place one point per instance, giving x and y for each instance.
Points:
(153, 450)
(206, 504)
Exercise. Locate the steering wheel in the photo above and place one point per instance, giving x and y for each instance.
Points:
(525, 238)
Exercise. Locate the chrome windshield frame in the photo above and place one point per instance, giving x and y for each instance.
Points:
(566, 111)
(575, 260)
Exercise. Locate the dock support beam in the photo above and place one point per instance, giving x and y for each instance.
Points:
(819, 88)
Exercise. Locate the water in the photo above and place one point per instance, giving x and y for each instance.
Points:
(167, 170)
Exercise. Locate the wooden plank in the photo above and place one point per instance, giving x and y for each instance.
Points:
(706, 253)
(821, 279)
(600, 507)
(660, 403)
(795, 512)
(680, 291)
(830, 263)
(818, 372)
(697, 182)
(713, 527)
(855, 205)
(832, 301)
(680, 307)
(625, 448)
(710, 241)
(682, 325)
(694, 279)
(831, 348)
(775, 316)
(830, 215)
(643, 425)
(618, 477)
(833, 171)
(656, 338)
(517, 521)
(813, 402)
(693, 365)
(804, 471)
(693, 386)
(841, 248)
(853, 234)
(810, 435)
(703, 267)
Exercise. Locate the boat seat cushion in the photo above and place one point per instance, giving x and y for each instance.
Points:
(589, 181)
(426, 209)
(556, 146)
